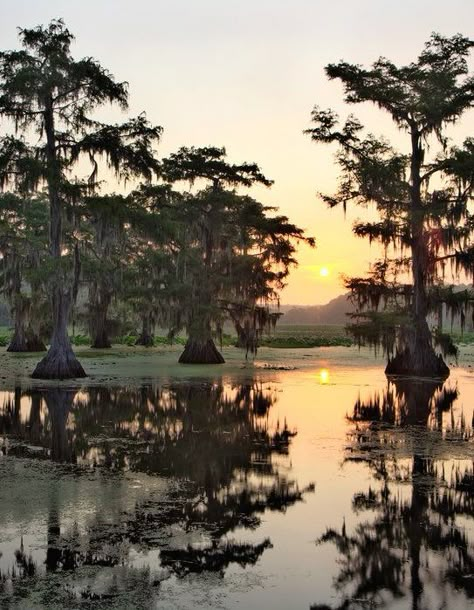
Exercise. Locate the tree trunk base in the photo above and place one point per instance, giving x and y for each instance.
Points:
(101, 344)
(201, 352)
(59, 364)
(407, 363)
(17, 345)
(145, 340)
(31, 344)
(35, 344)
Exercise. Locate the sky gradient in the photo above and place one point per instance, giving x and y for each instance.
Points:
(245, 75)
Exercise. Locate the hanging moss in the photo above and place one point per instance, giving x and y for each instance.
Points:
(422, 230)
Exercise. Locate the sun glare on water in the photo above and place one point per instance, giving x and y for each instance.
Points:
(323, 376)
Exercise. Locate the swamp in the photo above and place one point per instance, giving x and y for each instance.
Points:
(184, 421)
(304, 479)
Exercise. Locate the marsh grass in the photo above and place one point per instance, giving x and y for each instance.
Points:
(307, 335)
(283, 337)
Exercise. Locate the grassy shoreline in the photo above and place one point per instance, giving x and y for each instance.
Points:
(283, 337)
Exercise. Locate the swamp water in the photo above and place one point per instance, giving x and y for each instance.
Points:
(305, 481)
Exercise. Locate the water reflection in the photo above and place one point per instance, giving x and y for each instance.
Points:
(413, 538)
(151, 429)
(323, 376)
(223, 463)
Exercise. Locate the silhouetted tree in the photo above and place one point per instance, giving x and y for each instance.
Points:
(234, 255)
(44, 91)
(262, 252)
(209, 223)
(422, 227)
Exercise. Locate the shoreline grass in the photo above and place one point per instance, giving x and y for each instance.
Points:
(283, 337)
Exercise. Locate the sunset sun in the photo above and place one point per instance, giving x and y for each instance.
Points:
(324, 272)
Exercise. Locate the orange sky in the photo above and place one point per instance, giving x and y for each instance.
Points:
(245, 74)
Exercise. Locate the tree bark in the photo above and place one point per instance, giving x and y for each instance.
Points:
(146, 336)
(100, 307)
(60, 361)
(18, 341)
(417, 362)
(200, 347)
(19, 311)
(416, 355)
(34, 342)
(199, 351)
(101, 339)
(24, 338)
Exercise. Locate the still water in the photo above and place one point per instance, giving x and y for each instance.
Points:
(324, 487)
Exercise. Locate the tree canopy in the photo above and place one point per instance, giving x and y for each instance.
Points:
(422, 199)
(183, 248)
(46, 92)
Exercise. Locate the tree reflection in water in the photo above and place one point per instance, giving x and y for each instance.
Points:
(415, 547)
(228, 465)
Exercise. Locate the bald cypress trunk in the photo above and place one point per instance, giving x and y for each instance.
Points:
(199, 351)
(60, 361)
(200, 347)
(19, 311)
(24, 338)
(100, 307)
(146, 337)
(18, 341)
(101, 339)
(34, 341)
(417, 355)
(53, 550)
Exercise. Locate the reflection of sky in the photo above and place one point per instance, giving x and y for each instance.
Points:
(295, 569)
(246, 75)
(323, 376)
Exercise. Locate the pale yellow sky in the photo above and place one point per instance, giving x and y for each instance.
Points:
(245, 74)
